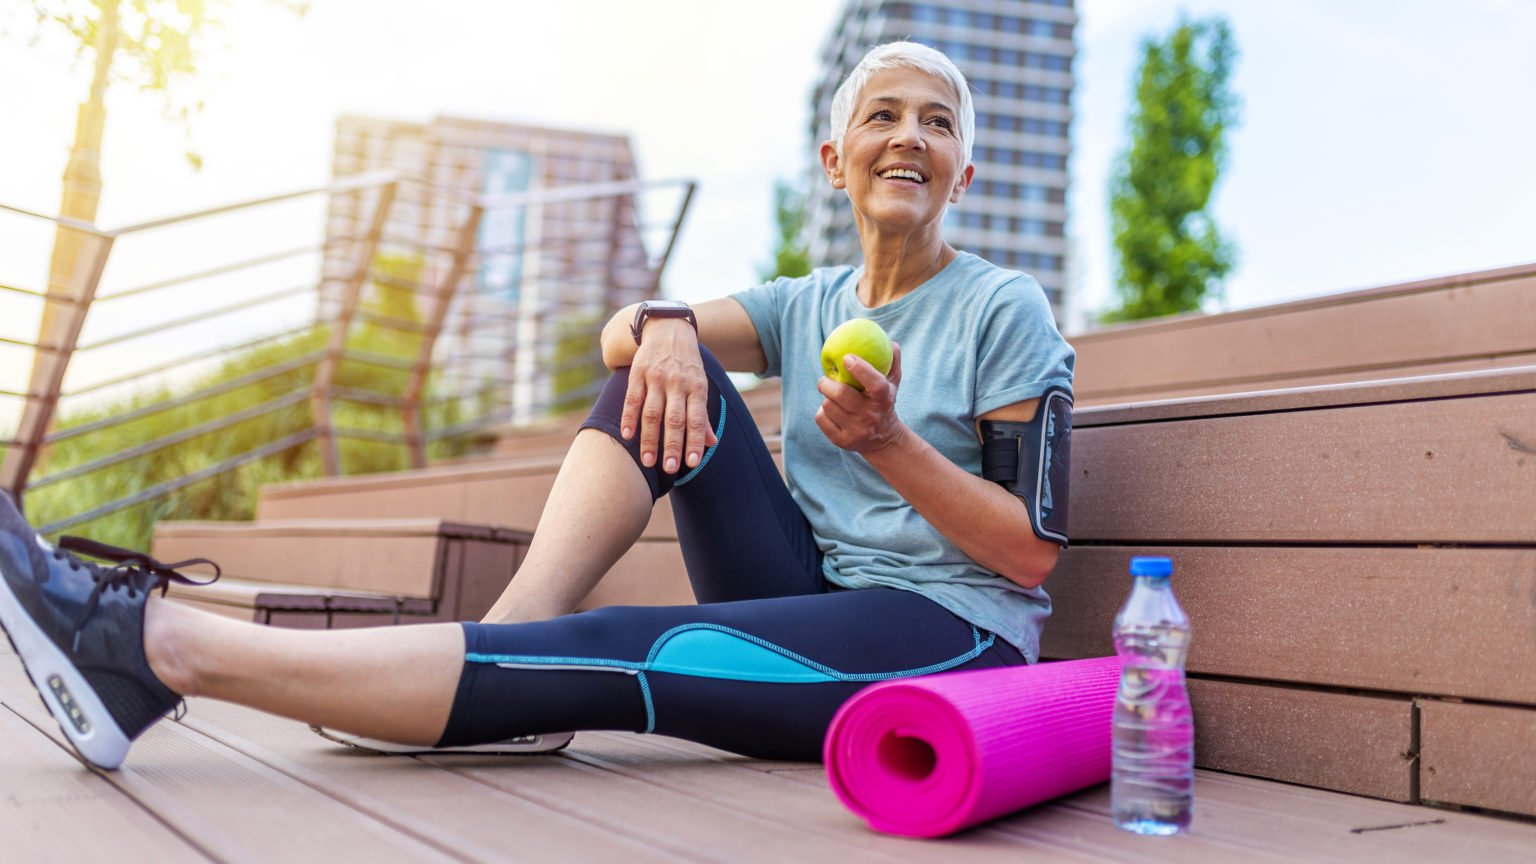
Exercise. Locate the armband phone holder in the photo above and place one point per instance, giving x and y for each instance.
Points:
(1033, 460)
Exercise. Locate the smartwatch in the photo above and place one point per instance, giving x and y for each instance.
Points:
(649, 309)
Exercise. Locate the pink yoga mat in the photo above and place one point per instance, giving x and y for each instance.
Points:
(924, 757)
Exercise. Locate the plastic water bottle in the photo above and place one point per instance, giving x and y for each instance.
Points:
(1152, 785)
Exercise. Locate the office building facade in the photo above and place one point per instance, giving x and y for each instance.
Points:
(1018, 56)
(543, 277)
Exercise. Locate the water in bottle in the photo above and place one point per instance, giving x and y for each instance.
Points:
(1152, 784)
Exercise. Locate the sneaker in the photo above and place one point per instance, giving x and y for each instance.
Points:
(522, 745)
(79, 630)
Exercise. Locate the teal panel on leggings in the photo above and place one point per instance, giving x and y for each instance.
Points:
(715, 654)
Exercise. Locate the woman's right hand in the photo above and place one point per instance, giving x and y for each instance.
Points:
(667, 399)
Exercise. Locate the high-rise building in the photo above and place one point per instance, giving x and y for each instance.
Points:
(542, 277)
(1017, 55)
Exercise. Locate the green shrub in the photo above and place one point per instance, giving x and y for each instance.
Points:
(231, 495)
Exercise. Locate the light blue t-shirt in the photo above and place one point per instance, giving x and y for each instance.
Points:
(973, 338)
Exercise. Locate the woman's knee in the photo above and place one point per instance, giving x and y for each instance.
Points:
(607, 414)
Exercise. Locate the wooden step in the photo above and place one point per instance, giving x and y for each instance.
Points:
(1420, 621)
(1443, 459)
(503, 493)
(1457, 323)
(357, 572)
(508, 494)
(460, 569)
(651, 573)
(1460, 766)
(306, 606)
(546, 440)
(1357, 562)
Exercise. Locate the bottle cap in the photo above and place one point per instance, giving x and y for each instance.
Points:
(1142, 565)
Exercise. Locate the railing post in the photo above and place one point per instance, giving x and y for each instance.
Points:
(410, 409)
(325, 375)
(677, 227)
(56, 350)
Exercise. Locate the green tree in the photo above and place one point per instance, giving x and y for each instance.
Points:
(151, 43)
(1170, 254)
(790, 257)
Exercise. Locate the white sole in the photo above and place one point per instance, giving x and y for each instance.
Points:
(529, 746)
(85, 721)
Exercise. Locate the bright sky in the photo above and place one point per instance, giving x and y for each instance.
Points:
(1382, 140)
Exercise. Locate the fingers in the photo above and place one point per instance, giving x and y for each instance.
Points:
(634, 401)
(895, 373)
(864, 373)
(670, 413)
(828, 428)
(699, 434)
(876, 386)
(674, 428)
(652, 413)
(839, 416)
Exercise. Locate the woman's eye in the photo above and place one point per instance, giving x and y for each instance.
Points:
(881, 115)
(943, 123)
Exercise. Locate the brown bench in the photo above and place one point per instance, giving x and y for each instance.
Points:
(1473, 321)
(1359, 562)
(333, 573)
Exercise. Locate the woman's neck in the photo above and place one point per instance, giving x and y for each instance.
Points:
(895, 267)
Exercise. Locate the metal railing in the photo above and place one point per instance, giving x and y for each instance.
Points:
(430, 336)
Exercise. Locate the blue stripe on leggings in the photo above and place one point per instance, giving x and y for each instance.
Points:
(703, 659)
(650, 707)
(719, 436)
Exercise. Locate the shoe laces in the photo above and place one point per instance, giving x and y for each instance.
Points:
(131, 571)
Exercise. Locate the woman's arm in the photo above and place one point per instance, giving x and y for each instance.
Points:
(987, 522)
(665, 402)
(724, 328)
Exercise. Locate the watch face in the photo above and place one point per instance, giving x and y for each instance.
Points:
(659, 309)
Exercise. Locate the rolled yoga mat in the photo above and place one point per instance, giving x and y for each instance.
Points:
(928, 756)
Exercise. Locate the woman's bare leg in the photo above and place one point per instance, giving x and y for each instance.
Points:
(398, 683)
(598, 507)
(392, 683)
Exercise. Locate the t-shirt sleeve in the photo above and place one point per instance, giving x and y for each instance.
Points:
(1021, 353)
(765, 306)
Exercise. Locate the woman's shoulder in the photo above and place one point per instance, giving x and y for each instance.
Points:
(983, 273)
(819, 282)
(993, 284)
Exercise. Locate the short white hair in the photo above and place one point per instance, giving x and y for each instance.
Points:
(903, 55)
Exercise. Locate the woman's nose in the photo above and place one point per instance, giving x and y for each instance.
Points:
(909, 133)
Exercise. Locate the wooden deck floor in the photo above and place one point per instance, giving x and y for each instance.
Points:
(230, 784)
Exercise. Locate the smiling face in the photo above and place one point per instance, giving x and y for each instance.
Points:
(902, 159)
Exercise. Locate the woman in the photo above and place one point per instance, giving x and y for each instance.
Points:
(887, 554)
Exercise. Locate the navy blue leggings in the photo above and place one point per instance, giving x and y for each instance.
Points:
(758, 667)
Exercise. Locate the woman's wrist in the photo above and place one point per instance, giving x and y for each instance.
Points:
(674, 330)
(617, 346)
(893, 445)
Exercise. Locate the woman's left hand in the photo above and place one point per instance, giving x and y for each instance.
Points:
(862, 422)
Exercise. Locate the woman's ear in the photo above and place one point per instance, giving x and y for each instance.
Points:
(831, 165)
(962, 183)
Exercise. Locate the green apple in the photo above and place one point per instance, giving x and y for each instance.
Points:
(861, 337)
